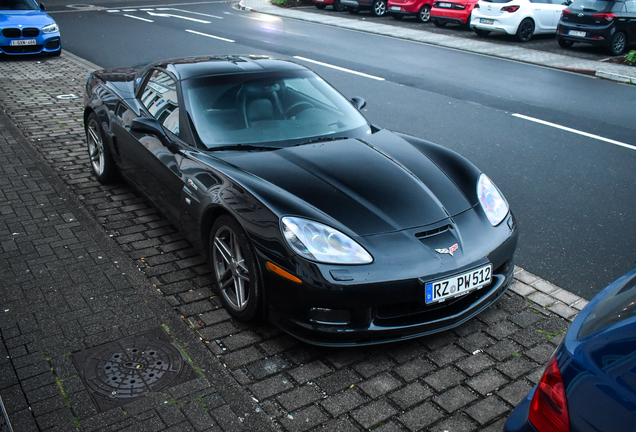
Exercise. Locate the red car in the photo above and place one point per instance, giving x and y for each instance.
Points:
(420, 9)
(452, 11)
(321, 4)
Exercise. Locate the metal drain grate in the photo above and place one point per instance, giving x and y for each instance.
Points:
(118, 372)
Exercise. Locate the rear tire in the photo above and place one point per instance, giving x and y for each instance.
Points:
(379, 8)
(424, 14)
(525, 30)
(102, 163)
(617, 43)
(235, 271)
(563, 43)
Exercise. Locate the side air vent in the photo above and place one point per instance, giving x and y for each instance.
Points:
(433, 232)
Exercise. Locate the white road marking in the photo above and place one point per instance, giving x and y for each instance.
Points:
(210, 36)
(178, 16)
(197, 13)
(138, 18)
(113, 10)
(129, 10)
(339, 68)
(585, 134)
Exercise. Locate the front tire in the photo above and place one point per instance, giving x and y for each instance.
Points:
(525, 30)
(234, 266)
(617, 43)
(337, 6)
(424, 15)
(102, 162)
(379, 8)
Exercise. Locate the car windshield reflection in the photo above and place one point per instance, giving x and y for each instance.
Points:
(18, 5)
(279, 108)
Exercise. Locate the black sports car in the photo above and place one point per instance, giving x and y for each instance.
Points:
(339, 232)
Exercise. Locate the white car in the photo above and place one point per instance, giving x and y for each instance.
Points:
(522, 18)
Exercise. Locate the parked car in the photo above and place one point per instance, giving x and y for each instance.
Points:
(335, 4)
(452, 11)
(420, 9)
(607, 23)
(26, 29)
(338, 231)
(521, 18)
(590, 381)
(377, 8)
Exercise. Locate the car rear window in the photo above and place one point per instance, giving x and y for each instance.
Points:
(616, 306)
(594, 5)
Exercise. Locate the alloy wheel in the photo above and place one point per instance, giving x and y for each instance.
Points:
(95, 146)
(232, 273)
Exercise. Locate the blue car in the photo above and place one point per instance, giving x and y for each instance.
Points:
(26, 29)
(590, 381)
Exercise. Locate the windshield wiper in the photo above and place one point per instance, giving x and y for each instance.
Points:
(244, 147)
(321, 139)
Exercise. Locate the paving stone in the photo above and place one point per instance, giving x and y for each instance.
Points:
(475, 341)
(487, 382)
(503, 349)
(267, 367)
(227, 419)
(414, 369)
(271, 386)
(299, 397)
(475, 364)
(515, 392)
(516, 367)
(343, 402)
(501, 329)
(445, 378)
(445, 355)
(420, 417)
(373, 413)
(339, 425)
(198, 416)
(410, 395)
(455, 398)
(309, 372)
(457, 423)
(486, 410)
(374, 365)
(303, 420)
(337, 381)
(379, 385)
(407, 351)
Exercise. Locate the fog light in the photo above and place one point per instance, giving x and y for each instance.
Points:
(329, 316)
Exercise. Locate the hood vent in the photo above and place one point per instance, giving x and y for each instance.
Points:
(430, 233)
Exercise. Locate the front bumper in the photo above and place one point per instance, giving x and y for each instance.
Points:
(382, 302)
(44, 43)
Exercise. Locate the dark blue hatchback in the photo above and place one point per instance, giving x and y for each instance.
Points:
(26, 29)
(590, 381)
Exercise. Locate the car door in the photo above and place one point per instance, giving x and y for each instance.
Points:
(630, 20)
(543, 12)
(150, 162)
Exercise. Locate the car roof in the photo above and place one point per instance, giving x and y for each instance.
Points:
(194, 67)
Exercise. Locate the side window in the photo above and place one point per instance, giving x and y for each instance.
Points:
(630, 6)
(160, 99)
(620, 7)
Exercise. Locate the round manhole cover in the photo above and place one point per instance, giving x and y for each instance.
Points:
(116, 372)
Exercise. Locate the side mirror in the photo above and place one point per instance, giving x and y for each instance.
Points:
(42, 6)
(358, 102)
(150, 126)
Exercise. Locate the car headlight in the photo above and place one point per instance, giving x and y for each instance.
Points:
(492, 201)
(51, 28)
(318, 242)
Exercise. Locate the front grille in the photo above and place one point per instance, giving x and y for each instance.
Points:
(25, 49)
(30, 32)
(11, 33)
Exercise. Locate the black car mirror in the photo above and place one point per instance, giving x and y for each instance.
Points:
(42, 6)
(358, 102)
(150, 125)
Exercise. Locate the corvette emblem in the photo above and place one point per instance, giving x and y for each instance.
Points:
(449, 250)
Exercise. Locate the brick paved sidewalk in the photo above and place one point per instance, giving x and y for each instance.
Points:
(63, 289)
(460, 380)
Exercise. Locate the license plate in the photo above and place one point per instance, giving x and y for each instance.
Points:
(486, 21)
(396, 8)
(445, 5)
(458, 285)
(23, 42)
(576, 33)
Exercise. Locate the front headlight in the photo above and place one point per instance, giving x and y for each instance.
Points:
(492, 201)
(318, 242)
(51, 28)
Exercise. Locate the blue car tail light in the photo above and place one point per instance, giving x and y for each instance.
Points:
(549, 406)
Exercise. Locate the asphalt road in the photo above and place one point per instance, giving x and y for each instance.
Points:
(571, 193)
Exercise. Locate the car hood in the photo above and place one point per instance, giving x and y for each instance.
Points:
(25, 18)
(377, 185)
